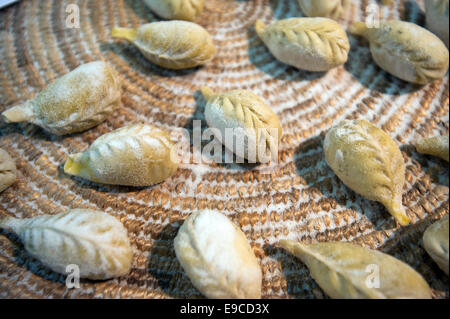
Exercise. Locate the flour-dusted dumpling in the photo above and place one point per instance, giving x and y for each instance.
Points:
(436, 242)
(323, 8)
(348, 271)
(176, 9)
(171, 44)
(7, 170)
(94, 241)
(369, 162)
(437, 18)
(436, 146)
(73, 103)
(312, 44)
(406, 50)
(216, 256)
(135, 155)
(256, 129)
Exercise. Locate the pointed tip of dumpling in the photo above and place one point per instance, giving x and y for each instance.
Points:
(73, 165)
(207, 92)
(19, 113)
(124, 33)
(358, 28)
(290, 245)
(259, 27)
(397, 210)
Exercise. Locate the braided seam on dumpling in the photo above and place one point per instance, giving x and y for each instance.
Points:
(102, 250)
(297, 32)
(379, 163)
(167, 48)
(254, 121)
(425, 71)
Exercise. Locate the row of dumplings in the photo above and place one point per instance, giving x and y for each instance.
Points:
(316, 43)
(363, 156)
(436, 11)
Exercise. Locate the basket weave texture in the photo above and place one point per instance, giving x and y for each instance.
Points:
(301, 200)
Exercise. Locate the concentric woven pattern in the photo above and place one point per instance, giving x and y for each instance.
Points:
(302, 200)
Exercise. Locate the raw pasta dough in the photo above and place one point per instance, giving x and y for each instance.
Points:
(324, 8)
(256, 128)
(437, 18)
(406, 50)
(135, 155)
(437, 146)
(312, 44)
(7, 170)
(94, 241)
(217, 257)
(73, 103)
(176, 9)
(348, 271)
(436, 242)
(368, 161)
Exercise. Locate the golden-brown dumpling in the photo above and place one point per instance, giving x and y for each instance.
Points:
(171, 44)
(7, 170)
(256, 128)
(436, 146)
(216, 256)
(323, 8)
(94, 241)
(437, 18)
(73, 103)
(369, 162)
(176, 9)
(135, 155)
(436, 242)
(348, 271)
(312, 44)
(406, 50)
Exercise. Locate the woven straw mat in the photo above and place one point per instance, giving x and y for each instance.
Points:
(302, 200)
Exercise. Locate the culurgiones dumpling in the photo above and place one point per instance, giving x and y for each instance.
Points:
(436, 242)
(243, 122)
(312, 44)
(176, 9)
(171, 44)
(217, 257)
(436, 146)
(96, 242)
(368, 161)
(136, 155)
(73, 103)
(8, 170)
(348, 271)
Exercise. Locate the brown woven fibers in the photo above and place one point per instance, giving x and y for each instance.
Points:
(302, 200)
